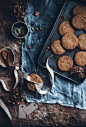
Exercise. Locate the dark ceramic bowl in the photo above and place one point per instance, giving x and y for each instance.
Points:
(19, 29)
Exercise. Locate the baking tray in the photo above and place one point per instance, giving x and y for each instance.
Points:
(65, 14)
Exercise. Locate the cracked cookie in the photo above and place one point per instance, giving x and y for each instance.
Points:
(69, 41)
(56, 48)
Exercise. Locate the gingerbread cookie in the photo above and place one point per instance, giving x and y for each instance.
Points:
(69, 41)
(65, 27)
(79, 21)
(57, 48)
(36, 78)
(65, 63)
(79, 9)
(82, 41)
(80, 58)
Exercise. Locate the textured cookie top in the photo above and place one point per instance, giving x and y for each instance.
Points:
(79, 9)
(69, 41)
(36, 78)
(79, 21)
(57, 48)
(65, 63)
(80, 58)
(65, 27)
(82, 41)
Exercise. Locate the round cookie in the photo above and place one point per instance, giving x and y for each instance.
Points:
(56, 47)
(82, 41)
(36, 78)
(65, 27)
(79, 9)
(79, 21)
(69, 41)
(80, 58)
(65, 63)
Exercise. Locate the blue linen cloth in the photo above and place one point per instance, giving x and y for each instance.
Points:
(63, 92)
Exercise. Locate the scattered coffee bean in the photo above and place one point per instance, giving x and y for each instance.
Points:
(18, 10)
(19, 43)
(17, 97)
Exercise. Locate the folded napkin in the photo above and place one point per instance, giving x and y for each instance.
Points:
(63, 92)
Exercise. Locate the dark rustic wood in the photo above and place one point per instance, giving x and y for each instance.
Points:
(46, 114)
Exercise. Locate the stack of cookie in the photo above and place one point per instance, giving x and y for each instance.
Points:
(70, 41)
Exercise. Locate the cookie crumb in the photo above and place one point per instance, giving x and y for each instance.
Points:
(29, 47)
(62, 17)
(79, 70)
(38, 69)
(47, 49)
(38, 28)
(9, 101)
(19, 43)
(36, 13)
(23, 60)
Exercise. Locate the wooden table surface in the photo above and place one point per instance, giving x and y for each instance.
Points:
(46, 114)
